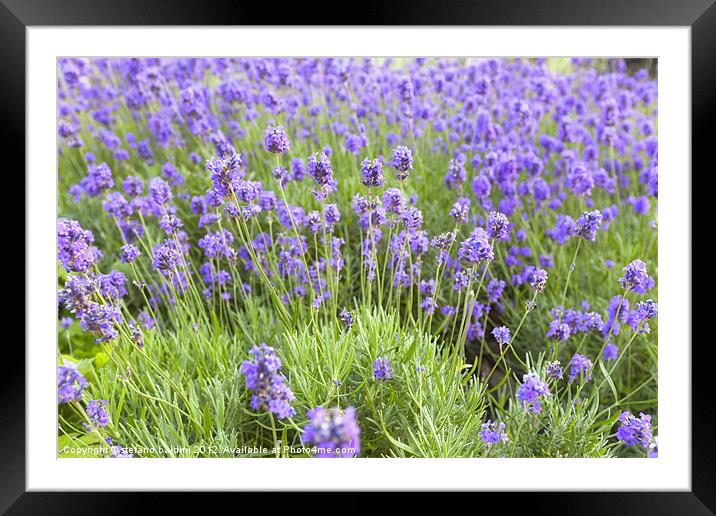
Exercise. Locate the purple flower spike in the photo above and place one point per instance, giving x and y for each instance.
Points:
(333, 433)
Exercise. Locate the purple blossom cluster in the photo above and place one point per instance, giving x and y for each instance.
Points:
(91, 298)
(580, 367)
(319, 168)
(225, 173)
(276, 140)
(635, 430)
(571, 321)
(263, 377)
(402, 162)
(493, 433)
(335, 433)
(635, 277)
(74, 246)
(97, 415)
(502, 335)
(346, 318)
(554, 370)
(532, 392)
(371, 172)
(70, 384)
(476, 248)
(381, 369)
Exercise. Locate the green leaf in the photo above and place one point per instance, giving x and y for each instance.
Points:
(217, 324)
(609, 380)
(100, 360)
(208, 421)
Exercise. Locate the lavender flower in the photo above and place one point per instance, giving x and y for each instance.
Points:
(159, 191)
(298, 169)
(405, 89)
(320, 170)
(580, 179)
(101, 320)
(554, 370)
(635, 276)
(428, 305)
(538, 280)
(559, 330)
(267, 200)
(563, 230)
(346, 318)
(580, 366)
(381, 368)
(146, 320)
(493, 433)
(481, 186)
(587, 224)
(498, 226)
(170, 224)
(70, 384)
(331, 215)
(172, 174)
(97, 413)
(117, 451)
(460, 212)
(402, 162)
(225, 174)
(393, 200)
(638, 319)
(495, 289)
(476, 248)
(333, 432)
(611, 351)
(502, 335)
(427, 287)
(443, 241)
(531, 392)
(635, 430)
(462, 280)
(456, 174)
(262, 372)
(74, 249)
(166, 259)
(128, 253)
(136, 334)
(112, 285)
(372, 173)
(117, 206)
(275, 140)
(98, 179)
(77, 294)
(412, 218)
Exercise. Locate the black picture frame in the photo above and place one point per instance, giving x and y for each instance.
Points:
(699, 15)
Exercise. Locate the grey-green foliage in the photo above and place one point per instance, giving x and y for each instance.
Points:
(431, 407)
(201, 406)
(561, 430)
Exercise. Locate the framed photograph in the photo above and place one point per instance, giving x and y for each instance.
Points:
(432, 247)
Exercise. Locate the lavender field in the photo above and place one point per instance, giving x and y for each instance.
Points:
(357, 258)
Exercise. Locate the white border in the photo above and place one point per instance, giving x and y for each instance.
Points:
(670, 471)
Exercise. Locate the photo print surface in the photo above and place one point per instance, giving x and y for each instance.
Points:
(357, 257)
